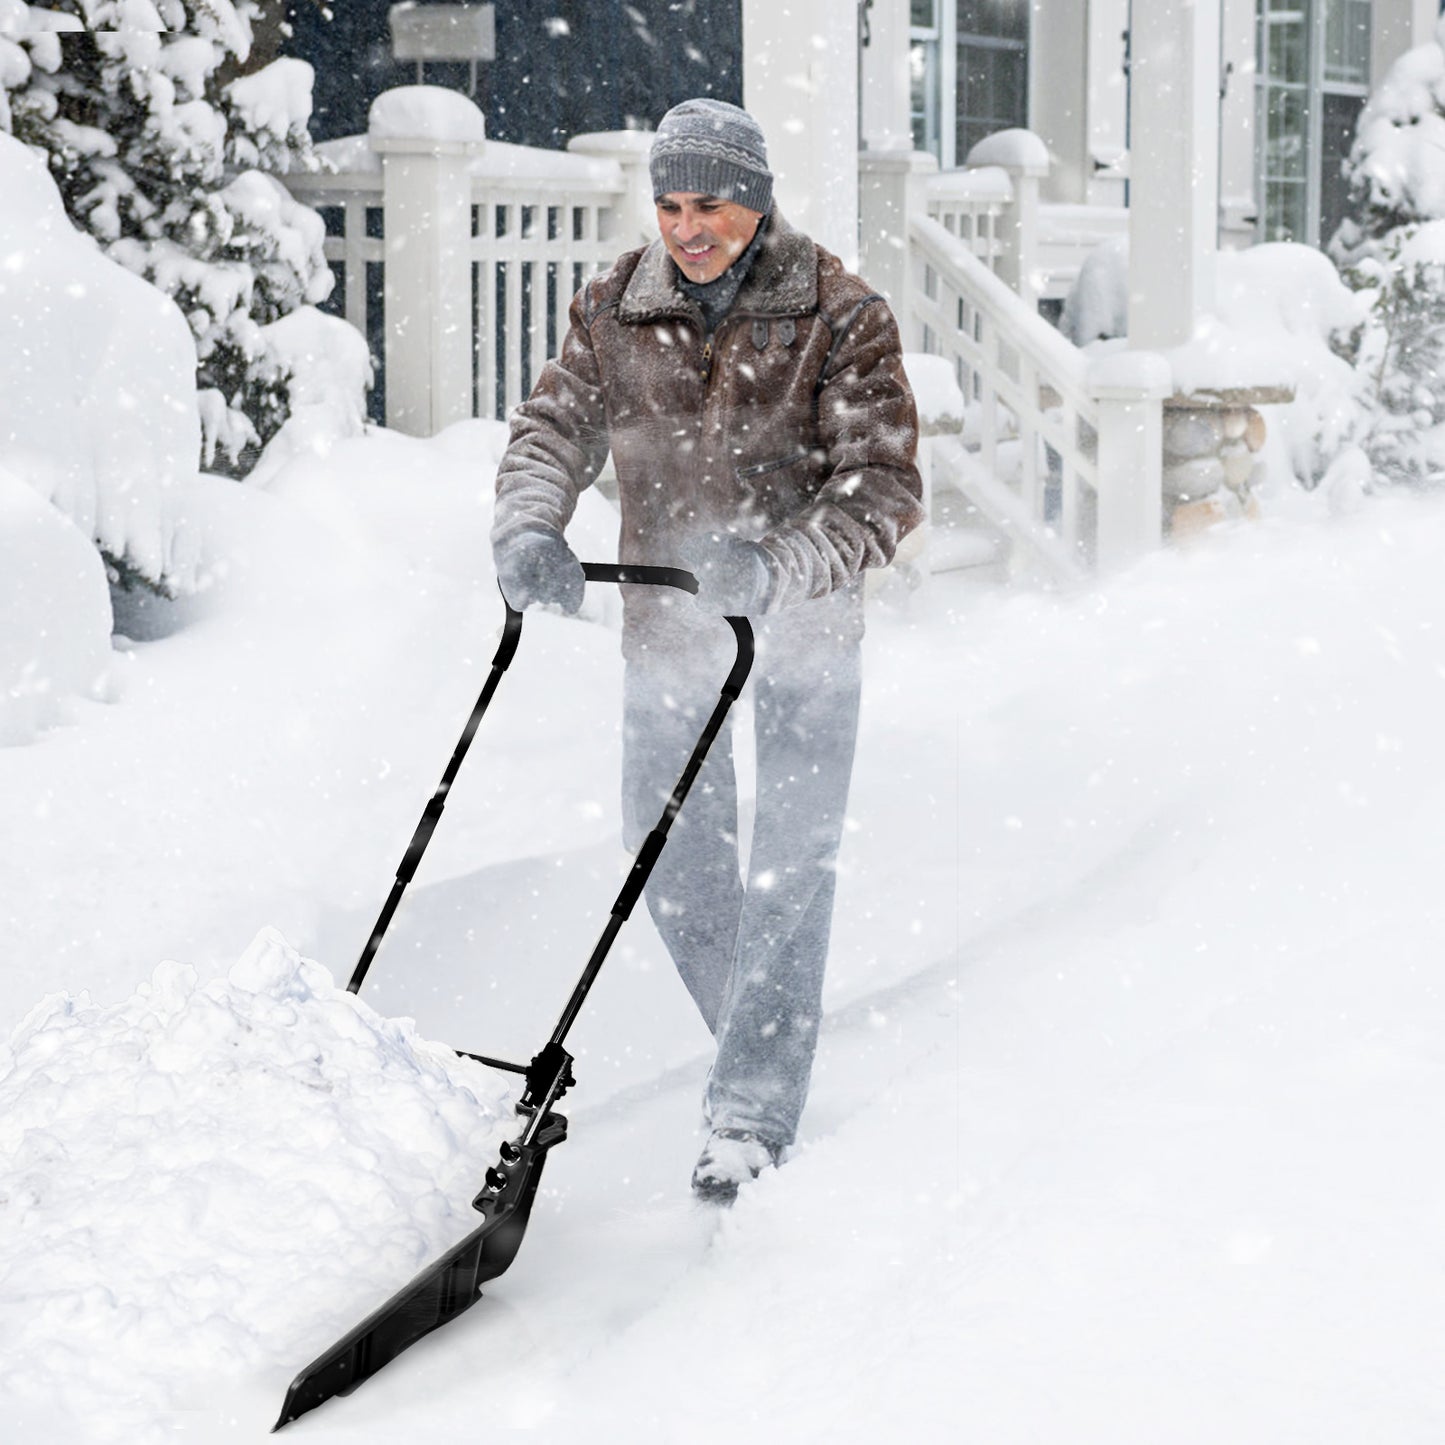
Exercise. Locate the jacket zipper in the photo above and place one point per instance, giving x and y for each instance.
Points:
(759, 469)
(706, 372)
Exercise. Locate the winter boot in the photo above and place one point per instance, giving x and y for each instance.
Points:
(731, 1157)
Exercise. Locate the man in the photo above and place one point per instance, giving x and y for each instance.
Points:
(752, 395)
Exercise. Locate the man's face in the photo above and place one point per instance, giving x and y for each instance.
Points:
(704, 234)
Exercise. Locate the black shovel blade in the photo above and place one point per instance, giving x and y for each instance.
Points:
(442, 1291)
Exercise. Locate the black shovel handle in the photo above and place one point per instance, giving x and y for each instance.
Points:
(621, 573)
(625, 573)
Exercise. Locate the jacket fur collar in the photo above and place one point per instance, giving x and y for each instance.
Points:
(783, 280)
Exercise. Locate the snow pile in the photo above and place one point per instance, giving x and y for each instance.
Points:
(415, 112)
(207, 1179)
(56, 606)
(936, 392)
(97, 380)
(330, 368)
(1097, 306)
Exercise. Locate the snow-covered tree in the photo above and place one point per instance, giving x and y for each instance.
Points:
(173, 171)
(1392, 249)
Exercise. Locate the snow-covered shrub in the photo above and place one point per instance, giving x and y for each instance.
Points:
(1399, 354)
(97, 383)
(1394, 168)
(1097, 306)
(1392, 251)
(1280, 311)
(173, 172)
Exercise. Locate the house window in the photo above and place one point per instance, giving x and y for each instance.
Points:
(1313, 77)
(924, 43)
(993, 69)
(968, 67)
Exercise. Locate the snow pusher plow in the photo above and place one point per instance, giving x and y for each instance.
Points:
(453, 1283)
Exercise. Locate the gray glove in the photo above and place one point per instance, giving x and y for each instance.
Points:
(734, 576)
(539, 566)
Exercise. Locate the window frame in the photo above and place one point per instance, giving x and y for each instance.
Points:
(940, 43)
(1313, 92)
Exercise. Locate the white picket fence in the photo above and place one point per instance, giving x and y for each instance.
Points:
(459, 263)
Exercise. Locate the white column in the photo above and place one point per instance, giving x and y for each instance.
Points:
(890, 190)
(1237, 203)
(1059, 103)
(426, 141)
(800, 83)
(885, 103)
(1173, 168)
(1108, 118)
(1130, 389)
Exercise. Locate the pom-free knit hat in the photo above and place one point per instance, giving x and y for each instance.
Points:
(711, 148)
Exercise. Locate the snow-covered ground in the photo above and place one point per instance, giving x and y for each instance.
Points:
(1125, 1117)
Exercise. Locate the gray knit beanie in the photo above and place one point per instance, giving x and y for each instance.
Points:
(711, 148)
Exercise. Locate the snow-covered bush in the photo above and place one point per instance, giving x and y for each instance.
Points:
(1392, 250)
(1399, 354)
(1394, 168)
(173, 172)
(97, 383)
(1280, 311)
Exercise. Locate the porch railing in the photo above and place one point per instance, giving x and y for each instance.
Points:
(971, 205)
(1061, 452)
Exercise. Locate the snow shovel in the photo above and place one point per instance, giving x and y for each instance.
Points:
(454, 1282)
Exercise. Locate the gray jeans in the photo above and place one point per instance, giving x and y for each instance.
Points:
(752, 955)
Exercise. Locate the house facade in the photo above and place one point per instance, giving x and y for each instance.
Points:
(965, 156)
(1293, 75)
(938, 75)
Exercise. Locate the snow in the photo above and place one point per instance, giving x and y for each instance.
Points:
(249, 1145)
(1128, 373)
(936, 392)
(1013, 149)
(497, 161)
(978, 184)
(1132, 1009)
(275, 99)
(331, 369)
(55, 643)
(425, 112)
